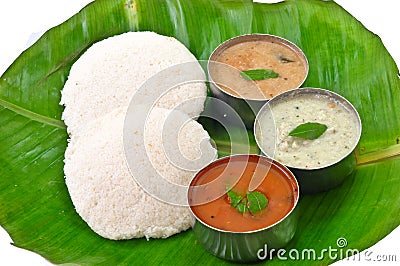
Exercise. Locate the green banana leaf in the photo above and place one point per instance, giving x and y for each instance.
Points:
(344, 57)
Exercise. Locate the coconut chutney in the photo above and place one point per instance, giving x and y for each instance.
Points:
(340, 138)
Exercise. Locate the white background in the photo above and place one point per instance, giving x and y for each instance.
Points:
(20, 19)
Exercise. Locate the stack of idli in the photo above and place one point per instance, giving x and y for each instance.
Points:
(96, 97)
(109, 73)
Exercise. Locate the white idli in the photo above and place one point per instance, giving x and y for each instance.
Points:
(105, 194)
(108, 74)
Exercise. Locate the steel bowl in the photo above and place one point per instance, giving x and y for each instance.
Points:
(246, 108)
(252, 245)
(318, 179)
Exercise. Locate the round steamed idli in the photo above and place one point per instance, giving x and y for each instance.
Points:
(105, 194)
(108, 74)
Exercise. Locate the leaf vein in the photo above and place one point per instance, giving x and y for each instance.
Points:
(32, 115)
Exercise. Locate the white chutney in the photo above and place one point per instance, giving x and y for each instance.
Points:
(340, 138)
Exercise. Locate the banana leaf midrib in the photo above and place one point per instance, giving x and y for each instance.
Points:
(378, 155)
(362, 159)
(32, 115)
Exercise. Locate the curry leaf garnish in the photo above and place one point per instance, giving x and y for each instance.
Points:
(258, 74)
(257, 201)
(284, 59)
(308, 130)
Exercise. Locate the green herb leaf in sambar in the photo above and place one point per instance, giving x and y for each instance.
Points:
(308, 130)
(234, 198)
(258, 74)
(257, 201)
(242, 206)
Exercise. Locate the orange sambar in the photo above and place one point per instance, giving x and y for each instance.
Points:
(209, 202)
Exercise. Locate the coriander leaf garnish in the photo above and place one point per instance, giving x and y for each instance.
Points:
(258, 74)
(308, 130)
(234, 198)
(253, 201)
(242, 206)
(257, 201)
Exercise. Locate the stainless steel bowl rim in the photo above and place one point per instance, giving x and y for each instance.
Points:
(278, 164)
(310, 90)
(250, 36)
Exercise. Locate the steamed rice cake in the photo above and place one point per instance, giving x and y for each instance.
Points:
(109, 73)
(105, 194)
(96, 96)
